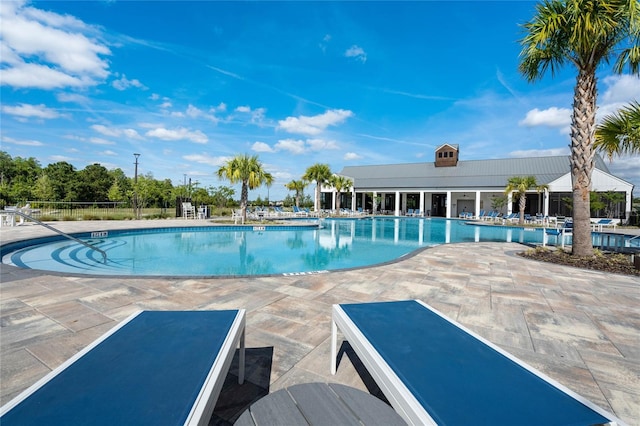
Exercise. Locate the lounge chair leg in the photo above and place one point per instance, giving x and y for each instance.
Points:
(334, 344)
(241, 360)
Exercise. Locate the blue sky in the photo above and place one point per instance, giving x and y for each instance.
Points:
(189, 85)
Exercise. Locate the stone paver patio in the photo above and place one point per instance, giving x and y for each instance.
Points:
(580, 327)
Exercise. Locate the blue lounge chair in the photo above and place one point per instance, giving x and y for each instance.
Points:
(563, 230)
(433, 371)
(154, 368)
(603, 223)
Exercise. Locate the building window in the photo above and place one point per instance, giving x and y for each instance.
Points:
(439, 155)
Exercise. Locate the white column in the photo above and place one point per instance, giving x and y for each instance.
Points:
(477, 212)
(333, 200)
(448, 214)
(421, 207)
(509, 203)
(546, 203)
(353, 199)
(397, 212)
(374, 203)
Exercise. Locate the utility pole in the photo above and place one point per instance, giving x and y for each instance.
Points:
(135, 188)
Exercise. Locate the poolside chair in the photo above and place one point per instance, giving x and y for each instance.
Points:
(433, 370)
(603, 223)
(156, 367)
(559, 232)
(188, 211)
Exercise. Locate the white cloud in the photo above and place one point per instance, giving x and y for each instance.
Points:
(351, 156)
(115, 132)
(123, 83)
(72, 97)
(60, 158)
(553, 152)
(293, 146)
(46, 50)
(620, 89)
(195, 112)
(101, 141)
(178, 134)
(356, 52)
(206, 159)
(7, 139)
(28, 110)
(257, 115)
(626, 167)
(108, 153)
(551, 117)
(261, 147)
(321, 144)
(316, 124)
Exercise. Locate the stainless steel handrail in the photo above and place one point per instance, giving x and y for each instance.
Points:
(84, 243)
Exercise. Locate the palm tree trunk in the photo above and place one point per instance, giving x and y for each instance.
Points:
(244, 197)
(582, 153)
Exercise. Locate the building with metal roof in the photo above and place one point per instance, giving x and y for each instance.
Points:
(448, 187)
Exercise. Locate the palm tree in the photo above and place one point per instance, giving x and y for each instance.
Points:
(320, 173)
(520, 185)
(620, 133)
(298, 186)
(340, 183)
(584, 33)
(248, 170)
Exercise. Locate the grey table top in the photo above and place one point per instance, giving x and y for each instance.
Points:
(319, 404)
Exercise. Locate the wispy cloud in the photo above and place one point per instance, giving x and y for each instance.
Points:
(357, 53)
(314, 125)
(27, 110)
(123, 83)
(180, 133)
(7, 139)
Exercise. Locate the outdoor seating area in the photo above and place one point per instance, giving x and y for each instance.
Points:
(509, 309)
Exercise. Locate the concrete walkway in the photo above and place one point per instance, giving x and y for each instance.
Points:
(580, 327)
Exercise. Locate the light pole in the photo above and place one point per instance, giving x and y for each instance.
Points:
(135, 188)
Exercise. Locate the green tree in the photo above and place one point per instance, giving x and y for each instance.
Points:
(585, 34)
(520, 185)
(247, 170)
(93, 183)
(619, 133)
(221, 196)
(44, 189)
(320, 173)
(298, 186)
(64, 180)
(340, 183)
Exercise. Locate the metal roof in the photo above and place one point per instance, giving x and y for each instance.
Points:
(467, 174)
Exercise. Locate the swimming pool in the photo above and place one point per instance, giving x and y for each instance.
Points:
(332, 244)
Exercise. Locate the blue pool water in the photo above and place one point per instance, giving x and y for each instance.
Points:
(228, 251)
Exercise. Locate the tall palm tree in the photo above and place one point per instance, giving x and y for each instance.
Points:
(584, 33)
(340, 183)
(520, 185)
(619, 133)
(298, 186)
(320, 173)
(249, 171)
